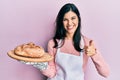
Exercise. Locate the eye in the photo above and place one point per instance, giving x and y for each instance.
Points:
(64, 19)
(73, 18)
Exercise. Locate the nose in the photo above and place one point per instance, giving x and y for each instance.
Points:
(69, 22)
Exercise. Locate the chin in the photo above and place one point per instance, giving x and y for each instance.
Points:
(70, 32)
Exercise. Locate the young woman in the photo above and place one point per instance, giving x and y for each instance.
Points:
(71, 49)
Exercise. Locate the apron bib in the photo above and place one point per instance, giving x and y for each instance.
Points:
(68, 66)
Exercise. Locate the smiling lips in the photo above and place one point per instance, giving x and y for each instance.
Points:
(70, 27)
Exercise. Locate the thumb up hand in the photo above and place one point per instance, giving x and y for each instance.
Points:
(90, 50)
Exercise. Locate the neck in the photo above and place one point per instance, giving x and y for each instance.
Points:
(69, 36)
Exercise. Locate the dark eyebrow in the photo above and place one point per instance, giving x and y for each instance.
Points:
(73, 16)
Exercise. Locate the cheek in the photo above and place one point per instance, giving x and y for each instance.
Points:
(65, 24)
(76, 23)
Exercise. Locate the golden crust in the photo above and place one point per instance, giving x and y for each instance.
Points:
(30, 52)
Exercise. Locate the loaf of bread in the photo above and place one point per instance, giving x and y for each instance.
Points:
(30, 52)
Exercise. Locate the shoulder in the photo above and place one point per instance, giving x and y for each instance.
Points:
(87, 39)
(51, 42)
(50, 47)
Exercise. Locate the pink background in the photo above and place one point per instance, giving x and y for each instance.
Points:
(23, 21)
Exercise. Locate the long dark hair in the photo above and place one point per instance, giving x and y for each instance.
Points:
(60, 30)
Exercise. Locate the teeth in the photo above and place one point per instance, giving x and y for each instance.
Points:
(70, 27)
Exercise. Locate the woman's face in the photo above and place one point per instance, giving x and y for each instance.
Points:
(70, 22)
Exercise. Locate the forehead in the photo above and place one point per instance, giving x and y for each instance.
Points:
(70, 14)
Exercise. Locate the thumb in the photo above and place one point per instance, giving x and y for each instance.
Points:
(91, 43)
